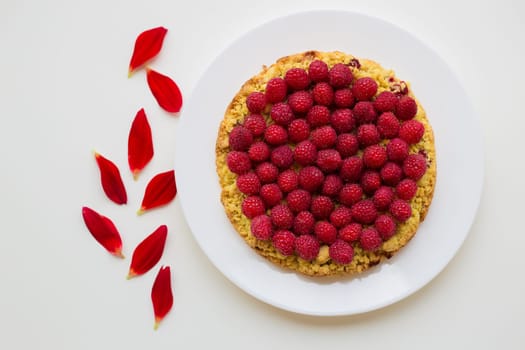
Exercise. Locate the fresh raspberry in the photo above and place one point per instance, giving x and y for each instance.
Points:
(288, 180)
(256, 101)
(406, 108)
(397, 150)
(310, 178)
(240, 138)
(375, 156)
(323, 94)
(281, 114)
(253, 206)
(400, 210)
(271, 194)
(259, 151)
(388, 125)
(249, 183)
(305, 153)
(385, 226)
(267, 172)
(299, 200)
(406, 189)
(307, 247)
(341, 252)
(325, 232)
(303, 223)
(386, 101)
(364, 211)
(414, 166)
(341, 216)
(332, 185)
(238, 162)
(318, 116)
(343, 98)
(261, 227)
(411, 131)
(284, 242)
(321, 207)
(383, 197)
(275, 135)
(391, 173)
(367, 134)
(282, 216)
(282, 157)
(364, 89)
(324, 137)
(351, 168)
(340, 76)
(342, 120)
(351, 232)
(298, 130)
(256, 124)
(370, 181)
(328, 160)
(347, 145)
(297, 79)
(276, 89)
(350, 194)
(370, 239)
(300, 101)
(364, 112)
(318, 71)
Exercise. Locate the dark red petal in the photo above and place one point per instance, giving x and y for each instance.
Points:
(165, 91)
(161, 294)
(148, 252)
(159, 191)
(111, 180)
(140, 144)
(103, 230)
(147, 46)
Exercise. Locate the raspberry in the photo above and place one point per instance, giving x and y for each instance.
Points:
(388, 125)
(391, 173)
(340, 76)
(375, 156)
(297, 79)
(299, 200)
(304, 223)
(351, 232)
(276, 89)
(383, 197)
(248, 183)
(411, 131)
(341, 216)
(347, 145)
(385, 226)
(282, 216)
(328, 160)
(307, 247)
(259, 151)
(367, 134)
(310, 178)
(370, 181)
(397, 150)
(256, 101)
(406, 108)
(318, 71)
(364, 112)
(324, 137)
(351, 168)
(298, 130)
(370, 239)
(400, 210)
(341, 252)
(267, 172)
(318, 115)
(325, 232)
(288, 180)
(281, 114)
(364, 89)
(271, 194)
(386, 101)
(305, 153)
(364, 211)
(342, 120)
(414, 166)
(284, 242)
(343, 98)
(238, 162)
(321, 207)
(282, 157)
(256, 124)
(261, 227)
(323, 94)
(332, 185)
(406, 189)
(350, 194)
(240, 138)
(300, 101)
(275, 135)
(253, 206)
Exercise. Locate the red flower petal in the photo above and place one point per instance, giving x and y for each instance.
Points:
(111, 180)
(165, 91)
(159, 191)
(148, 252)
(147, 46)
(161, 294)
(103, 230)
(140, 144)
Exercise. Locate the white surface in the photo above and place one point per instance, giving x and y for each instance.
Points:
(64, 92)
(458, 143)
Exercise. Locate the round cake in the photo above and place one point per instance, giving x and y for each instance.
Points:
(326, 163)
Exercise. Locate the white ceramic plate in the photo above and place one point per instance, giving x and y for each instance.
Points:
(458, 147)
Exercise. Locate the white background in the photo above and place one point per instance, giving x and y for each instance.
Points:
(64, 92)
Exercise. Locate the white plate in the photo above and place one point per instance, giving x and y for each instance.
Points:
(458, 147)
